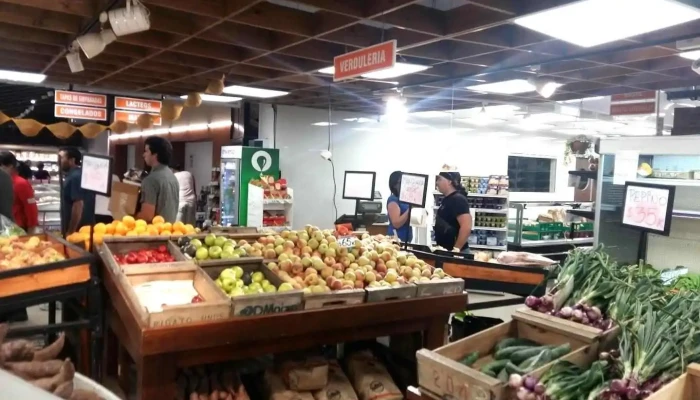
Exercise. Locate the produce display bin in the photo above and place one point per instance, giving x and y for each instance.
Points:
(383, 293)
(578, 331)
(111, 248)
(216, 305)
(264, 303)
(685, 387)
(75, 269)
(344, 297)
(441, 374)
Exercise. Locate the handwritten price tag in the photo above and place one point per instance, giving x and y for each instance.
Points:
(647, 207)
(347, 241)
(412, 189)
(96, 175)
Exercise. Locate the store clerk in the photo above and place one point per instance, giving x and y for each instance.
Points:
(453, 222)
(399, 212)
(24, 209)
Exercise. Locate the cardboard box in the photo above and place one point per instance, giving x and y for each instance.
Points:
(125, 198)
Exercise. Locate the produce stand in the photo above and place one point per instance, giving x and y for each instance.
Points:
(685, 387)
(159, 352)
(75, 281)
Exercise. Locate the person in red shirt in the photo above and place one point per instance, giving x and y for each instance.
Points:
(24, 209)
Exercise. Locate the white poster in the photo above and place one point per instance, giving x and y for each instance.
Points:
(358, 185)
(626, 164)
(255, 206)
(647, 207)
(96, 174)
(413, 189)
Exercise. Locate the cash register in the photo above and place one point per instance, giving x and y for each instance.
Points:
(366, 213)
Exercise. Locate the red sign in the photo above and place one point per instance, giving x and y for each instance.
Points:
(145, 105)
(78, 112)
(80, 99)
(634, 96)
(132, 116)
(370, 59)
(632, 108)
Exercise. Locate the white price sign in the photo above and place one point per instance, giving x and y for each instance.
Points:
(413, 189)
(648, 207)
(96, 174)
(347, 241)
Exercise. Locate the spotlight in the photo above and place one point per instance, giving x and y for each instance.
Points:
(395, 109)
(93, 44)
(544, 86)
(131, 19)
(326, 155)
(73, 58)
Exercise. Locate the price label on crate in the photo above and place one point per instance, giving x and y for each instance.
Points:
(347, 241)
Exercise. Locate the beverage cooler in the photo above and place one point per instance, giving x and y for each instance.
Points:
(240, 165)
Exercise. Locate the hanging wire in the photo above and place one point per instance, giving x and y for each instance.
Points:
(335, 184)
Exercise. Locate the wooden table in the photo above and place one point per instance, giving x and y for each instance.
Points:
(159, 352)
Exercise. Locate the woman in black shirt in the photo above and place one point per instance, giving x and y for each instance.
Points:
(453, 223)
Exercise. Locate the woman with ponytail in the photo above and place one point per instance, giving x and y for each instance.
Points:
(453, 222)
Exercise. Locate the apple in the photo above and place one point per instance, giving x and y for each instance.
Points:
(227, 284)
(310, 271)
(362, 261)
(286, 265)
(360, 275)
(257, 277)
(411, 261)
(269, 289)
(426, 273)
(326, 272)
(297, 269)
(351, 276)
(306, 262)
(311, 280)
(285, 287)
(210, 239)
(381, 268)
(329, 261)
(269, 254)
(370, 276)
(338, 274)
(330, 253)
(317, 263)
(235, 292)
(322, 248)
(313, 243)
(196, 243)
(359, 284)
(283, 257)
(391, 276)
(202, 253)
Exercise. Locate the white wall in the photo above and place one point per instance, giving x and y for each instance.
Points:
(377, 147)
(201, 170)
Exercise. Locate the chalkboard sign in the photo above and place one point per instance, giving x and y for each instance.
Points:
(648, 207)
(96, 174)
(413, 189)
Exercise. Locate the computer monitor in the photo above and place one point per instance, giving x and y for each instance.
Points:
(359, 185)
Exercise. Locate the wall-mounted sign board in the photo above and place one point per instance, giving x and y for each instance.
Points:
(648, 207)
(132, 116)
(80, 98)
(79, 112)
(96, 174)
(143, 105)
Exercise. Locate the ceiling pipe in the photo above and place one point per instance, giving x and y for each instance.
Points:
(582, 54)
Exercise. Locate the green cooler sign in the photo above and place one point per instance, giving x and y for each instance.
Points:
(255, 162)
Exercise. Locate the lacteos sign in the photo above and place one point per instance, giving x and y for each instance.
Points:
(130, 103)
(648, 207)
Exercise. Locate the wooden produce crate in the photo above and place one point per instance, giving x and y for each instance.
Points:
(263, 303)
(685, 387)
(215, 306)
(375, 294)
(335, 298)
(109, 249)
(74, 269)
(250, 238)
(442, 375)
(573, 329)
(440, 288)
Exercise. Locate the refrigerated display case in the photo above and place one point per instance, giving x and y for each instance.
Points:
(48, 201)
(229, 191)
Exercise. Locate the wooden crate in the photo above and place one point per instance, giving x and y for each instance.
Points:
(441, 374)
(263, 303)
(73, 270)
(375, 294)
(578, 331)
(215, 306)
(336, 298)
(685, 387)
(109, 249)
(440, 288)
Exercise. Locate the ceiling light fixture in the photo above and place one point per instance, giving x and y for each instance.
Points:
(690, 55)
(93, 44)
(395, 109)
(246, 91)
(215, 99)
(398, 69)
(32, 101)
(545, 87)
(593, 22)
(324, 123)
(73, 57)
(513, 86)
(16, 76)
(127, 20)
(174, 129)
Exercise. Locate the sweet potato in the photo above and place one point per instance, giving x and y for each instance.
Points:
(80, 394)
(17, 350)
(30, 370)
(64, 390)
(65, 374)
(51, 351)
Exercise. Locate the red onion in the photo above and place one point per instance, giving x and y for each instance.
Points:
(633, 393)
(547, 300)
(515, 381)
(530, 382)
(618, 386)
(577, 315)
(532, 302)
(539, 388)
(566, 312)
(522, 393)
(585, 320)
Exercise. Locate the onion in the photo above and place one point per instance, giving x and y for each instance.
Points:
(577, 315)
(618, 386)
(633, 393)
(547, 300)
(532, 301)
(585, 320)
(530, 382)
(522, 393)
(539, 388)
(586, 307)
(566, 312)
(615, 353)
(515, 381)
(531, 396)
(604, 355)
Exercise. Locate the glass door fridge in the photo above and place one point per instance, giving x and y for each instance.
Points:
(230, 190)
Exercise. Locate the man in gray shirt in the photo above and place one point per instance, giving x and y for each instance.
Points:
(159, 190)
(6, 195)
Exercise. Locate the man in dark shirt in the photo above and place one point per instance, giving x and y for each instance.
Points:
(453, 223)
(78, 205)
(41, 174)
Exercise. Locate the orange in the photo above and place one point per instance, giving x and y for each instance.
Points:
(189, 228)
(166, 233)
(167, 227)
(85, 230)
(120, 229)
(97, 239)
(158, 226)
(141, 222)
(177, 233)
(129, 221)
(152, 230)
(100, 228)
(131, 233)
(144, 233)
(158, 220)
(140, 229)
(110, 229)
(179, 227)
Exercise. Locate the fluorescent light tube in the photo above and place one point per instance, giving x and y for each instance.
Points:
(246, 91)
(591, 23)
(214, 98)
(324, 123)
(398, 69)
(21, 76)
(506, 87)
(690, 55)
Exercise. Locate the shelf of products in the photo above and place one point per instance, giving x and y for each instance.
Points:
(543, 224)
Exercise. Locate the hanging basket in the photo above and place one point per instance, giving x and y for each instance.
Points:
(119, 127)
(144, 121)
(91, 130)
(194, 100)
(28, 127)
(579, 147)
(216, 86)
(62, 130)
(171, 111)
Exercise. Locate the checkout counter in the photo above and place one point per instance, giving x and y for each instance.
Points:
(368, 216)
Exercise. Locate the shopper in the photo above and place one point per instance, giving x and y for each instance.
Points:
(453, 223)
(399, 212)
(24, 170)
(7, 197)
(24, 210)
(186, 209)
(41, 174)
(159, 190)
(78, 205)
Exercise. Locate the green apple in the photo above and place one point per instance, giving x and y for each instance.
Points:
(228, 284)
(215, 252)
(235, 292)
(254, 286)
(228, 273)
(227, 253)
(202, 253)
(265, 282)
(258, 276)
(285, 287)
(196, 242)
(269, 289)
(220, 241)
(240, 283)
(239, 271)
(219, 283)
(209, 239)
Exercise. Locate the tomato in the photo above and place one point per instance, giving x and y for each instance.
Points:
(168, 258)
(162, 249)
(131, 258)
(197, 299)
(141, 259)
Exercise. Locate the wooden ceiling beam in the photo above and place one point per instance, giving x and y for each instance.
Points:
(32, 35)
(418, 18)
(242, 35)
(35, 18)
(82, 8)
(202, 8)
(343, 7)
